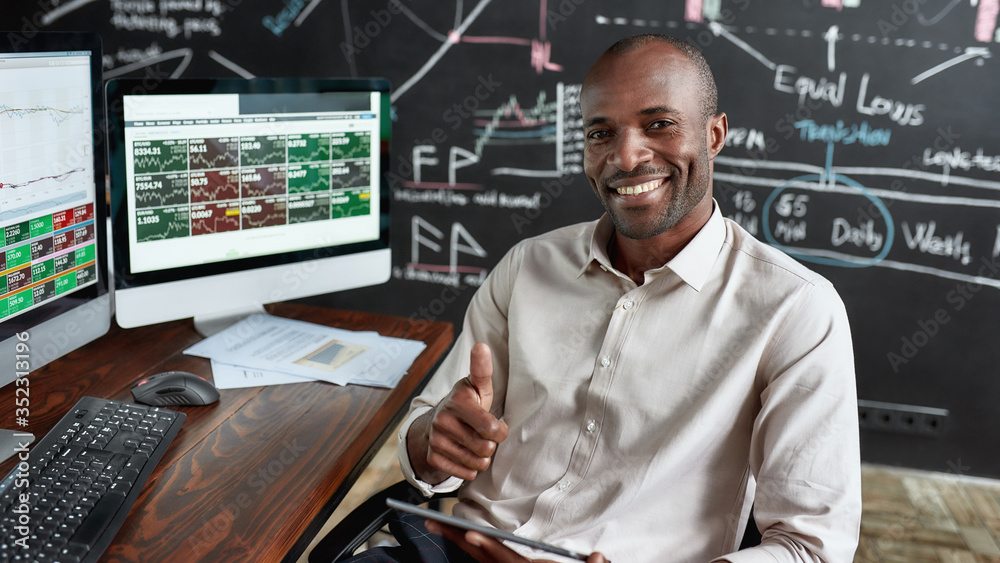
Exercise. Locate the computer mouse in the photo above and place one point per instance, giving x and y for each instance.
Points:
(175, 388)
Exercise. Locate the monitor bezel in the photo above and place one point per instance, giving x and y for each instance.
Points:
(88, 310)
(118, 88)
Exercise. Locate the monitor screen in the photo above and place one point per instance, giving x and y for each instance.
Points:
(231, 193)
(54, 290)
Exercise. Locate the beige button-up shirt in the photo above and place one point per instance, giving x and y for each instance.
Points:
(645, 420)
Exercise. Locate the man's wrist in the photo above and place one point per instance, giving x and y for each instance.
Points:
(417, 439)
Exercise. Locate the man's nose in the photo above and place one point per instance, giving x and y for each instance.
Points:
(631, 150)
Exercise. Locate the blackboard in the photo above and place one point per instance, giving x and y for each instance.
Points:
(863, 141)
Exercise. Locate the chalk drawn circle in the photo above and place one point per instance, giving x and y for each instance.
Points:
(860, 262)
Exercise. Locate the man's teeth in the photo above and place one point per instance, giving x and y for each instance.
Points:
(641, 188)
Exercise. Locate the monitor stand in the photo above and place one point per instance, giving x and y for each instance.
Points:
(13, 442)
(207, 325)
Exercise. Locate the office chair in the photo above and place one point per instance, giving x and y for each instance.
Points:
(355, 529)
(369, 517)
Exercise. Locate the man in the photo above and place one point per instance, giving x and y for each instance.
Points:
(640, 381)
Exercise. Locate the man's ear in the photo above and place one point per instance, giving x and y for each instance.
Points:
(717, 129)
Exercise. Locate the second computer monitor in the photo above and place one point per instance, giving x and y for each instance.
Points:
(54, 293)
(229, 194)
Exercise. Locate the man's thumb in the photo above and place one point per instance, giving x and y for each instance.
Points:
(481, 373)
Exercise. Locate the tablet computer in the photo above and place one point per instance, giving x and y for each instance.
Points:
(485, 530)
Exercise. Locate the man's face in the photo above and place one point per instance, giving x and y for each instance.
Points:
(647, 142)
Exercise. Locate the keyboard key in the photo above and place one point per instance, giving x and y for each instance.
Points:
(92, 527)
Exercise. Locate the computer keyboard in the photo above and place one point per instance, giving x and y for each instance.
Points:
(83, 477)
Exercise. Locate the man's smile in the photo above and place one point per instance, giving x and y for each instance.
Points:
(641, 188)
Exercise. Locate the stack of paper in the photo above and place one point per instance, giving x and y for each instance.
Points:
(267, 350)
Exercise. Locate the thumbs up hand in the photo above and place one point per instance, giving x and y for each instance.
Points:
(459, 436)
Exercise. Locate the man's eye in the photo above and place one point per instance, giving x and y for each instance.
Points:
(597, 135)
(660, 124)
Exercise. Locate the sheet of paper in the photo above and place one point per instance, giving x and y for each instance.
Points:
(228, 376)
(272, 347)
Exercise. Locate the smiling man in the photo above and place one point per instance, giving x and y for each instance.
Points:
(650, 140)
(633, 385)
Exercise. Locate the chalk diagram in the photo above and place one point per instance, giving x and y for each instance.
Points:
(548, 124)
(773, 199)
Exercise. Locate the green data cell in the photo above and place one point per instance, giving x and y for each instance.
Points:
(308, 148)
(161, 224)
(349, 145)
(351, 203)
(304, 178)
(42, 270)
(151, 157)
(65, 283)
(14, 234)
(40, 225)
(85, 254)
(18, 302)
(18, 256)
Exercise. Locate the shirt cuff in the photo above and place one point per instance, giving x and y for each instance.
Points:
(428, 490)
(757, 554)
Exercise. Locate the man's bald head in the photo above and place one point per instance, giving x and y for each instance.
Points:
(706, 80)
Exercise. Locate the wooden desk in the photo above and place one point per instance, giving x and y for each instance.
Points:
(256, 475)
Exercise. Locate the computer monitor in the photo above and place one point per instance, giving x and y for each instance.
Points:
(54, 285)
(228, 194)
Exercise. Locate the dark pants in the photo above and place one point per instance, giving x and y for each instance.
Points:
(416, 545)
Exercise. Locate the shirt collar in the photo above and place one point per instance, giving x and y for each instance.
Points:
(693, 263)
(603, 229)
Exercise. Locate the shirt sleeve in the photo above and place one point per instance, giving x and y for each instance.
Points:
(485, 321)
(804, 452)
(428, 489)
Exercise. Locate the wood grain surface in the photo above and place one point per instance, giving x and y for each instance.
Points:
(254, 476)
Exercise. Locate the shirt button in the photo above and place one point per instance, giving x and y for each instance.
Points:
(627, 305)
(563, 485)
(605, 362)
(591, 426)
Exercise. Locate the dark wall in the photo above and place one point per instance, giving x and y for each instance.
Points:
(863, 141)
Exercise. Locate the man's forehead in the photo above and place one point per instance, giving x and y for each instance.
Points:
(651, 76)
(652, 57)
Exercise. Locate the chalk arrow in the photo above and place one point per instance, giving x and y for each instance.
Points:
(933, 21)
(718, 30)
(63, 10)
(184, 53)
(831, 36)
(970, 53)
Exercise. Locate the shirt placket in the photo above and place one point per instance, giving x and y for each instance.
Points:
(582, 458)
